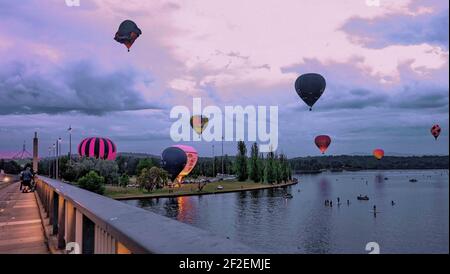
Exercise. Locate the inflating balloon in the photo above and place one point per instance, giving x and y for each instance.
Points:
(179, 161)
(128, 33)
(435, 131)
(199, 123)
(322, 142)
(378, 153)
(310, 87)
(96, 147)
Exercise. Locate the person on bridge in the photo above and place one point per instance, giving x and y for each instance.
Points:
(27, 176)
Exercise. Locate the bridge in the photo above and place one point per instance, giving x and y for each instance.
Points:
(60, 218)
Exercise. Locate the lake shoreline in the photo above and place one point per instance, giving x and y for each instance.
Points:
(174, 195)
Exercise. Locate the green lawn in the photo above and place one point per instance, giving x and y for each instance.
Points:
(185, 189)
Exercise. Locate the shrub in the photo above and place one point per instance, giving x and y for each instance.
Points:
(92, 182)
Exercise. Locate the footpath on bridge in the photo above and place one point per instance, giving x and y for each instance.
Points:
(21, 230)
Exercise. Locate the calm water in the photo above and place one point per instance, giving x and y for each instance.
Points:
(265, 220)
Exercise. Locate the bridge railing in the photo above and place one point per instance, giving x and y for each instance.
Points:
(97, 224)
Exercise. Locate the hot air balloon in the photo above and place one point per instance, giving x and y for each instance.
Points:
(199, 123)
(179, 161)
(310, 87)
(435, 131)
(378, 153)
(128, 33)
(96, 147)
(322, 142)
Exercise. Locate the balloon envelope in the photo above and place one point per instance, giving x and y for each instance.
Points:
(127, 33)
(322, 142)
(199, 123)
(435, 131)
(310, 87)
(378, 153)
(179, 161)
(97, 147)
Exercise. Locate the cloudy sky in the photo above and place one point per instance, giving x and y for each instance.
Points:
(386, 68)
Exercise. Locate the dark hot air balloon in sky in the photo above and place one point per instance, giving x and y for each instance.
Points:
(378, 153)
(435, 131)
(322, 142)
(97, 147)
(199, 123)
(310, 87)
(128, 33)
(179, 161)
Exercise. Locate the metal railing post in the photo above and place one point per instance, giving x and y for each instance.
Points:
(61, 222)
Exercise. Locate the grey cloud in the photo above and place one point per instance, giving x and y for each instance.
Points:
(78, 88)
(401, 29)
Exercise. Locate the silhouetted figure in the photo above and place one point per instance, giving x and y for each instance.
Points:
(331, 203)
(374, 208)
(27, 176)
(348, 202)
(392, 203)
(339, 200)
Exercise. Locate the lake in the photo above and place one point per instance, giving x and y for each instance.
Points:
(266, 221)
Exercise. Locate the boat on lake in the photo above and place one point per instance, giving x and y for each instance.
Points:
(363, 198)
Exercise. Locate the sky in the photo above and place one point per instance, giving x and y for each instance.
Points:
(386, 68)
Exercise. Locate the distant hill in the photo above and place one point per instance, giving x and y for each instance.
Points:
(354, 162)
(137, 155)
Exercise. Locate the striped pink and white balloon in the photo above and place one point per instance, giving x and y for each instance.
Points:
(97, 147)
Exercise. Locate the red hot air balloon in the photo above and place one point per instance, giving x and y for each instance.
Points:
(435, 131)
(96, 147)
(378, 153)
(322, 142)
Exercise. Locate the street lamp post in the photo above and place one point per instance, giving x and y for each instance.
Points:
(58, 152)
(49, 160)
(214, 161)
(70, 144)
(222, 155)
(54, 154)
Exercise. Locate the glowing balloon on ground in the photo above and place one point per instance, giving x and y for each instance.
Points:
(378, 153)
(310, 87)
(128, 33)
(435, 131)
(199, 123)
(96, 147)
(179, 161)
(322, 142)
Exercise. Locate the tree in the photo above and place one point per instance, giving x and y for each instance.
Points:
(124, 180)
(241, 162)
(122, 164)
(144, 163)
(261, 167)
(92, 182)
(11, 167)
(107, 169)
(270, 168)
(254, 164)
(69, 173)
(152, 178)
(284, 166)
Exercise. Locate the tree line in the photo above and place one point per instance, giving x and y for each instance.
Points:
(351, 162)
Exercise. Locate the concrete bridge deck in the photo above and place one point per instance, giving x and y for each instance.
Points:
(21, 230)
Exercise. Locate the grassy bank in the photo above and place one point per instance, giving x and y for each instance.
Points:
(121, 193)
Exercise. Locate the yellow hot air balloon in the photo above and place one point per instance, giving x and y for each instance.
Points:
(199, 123)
